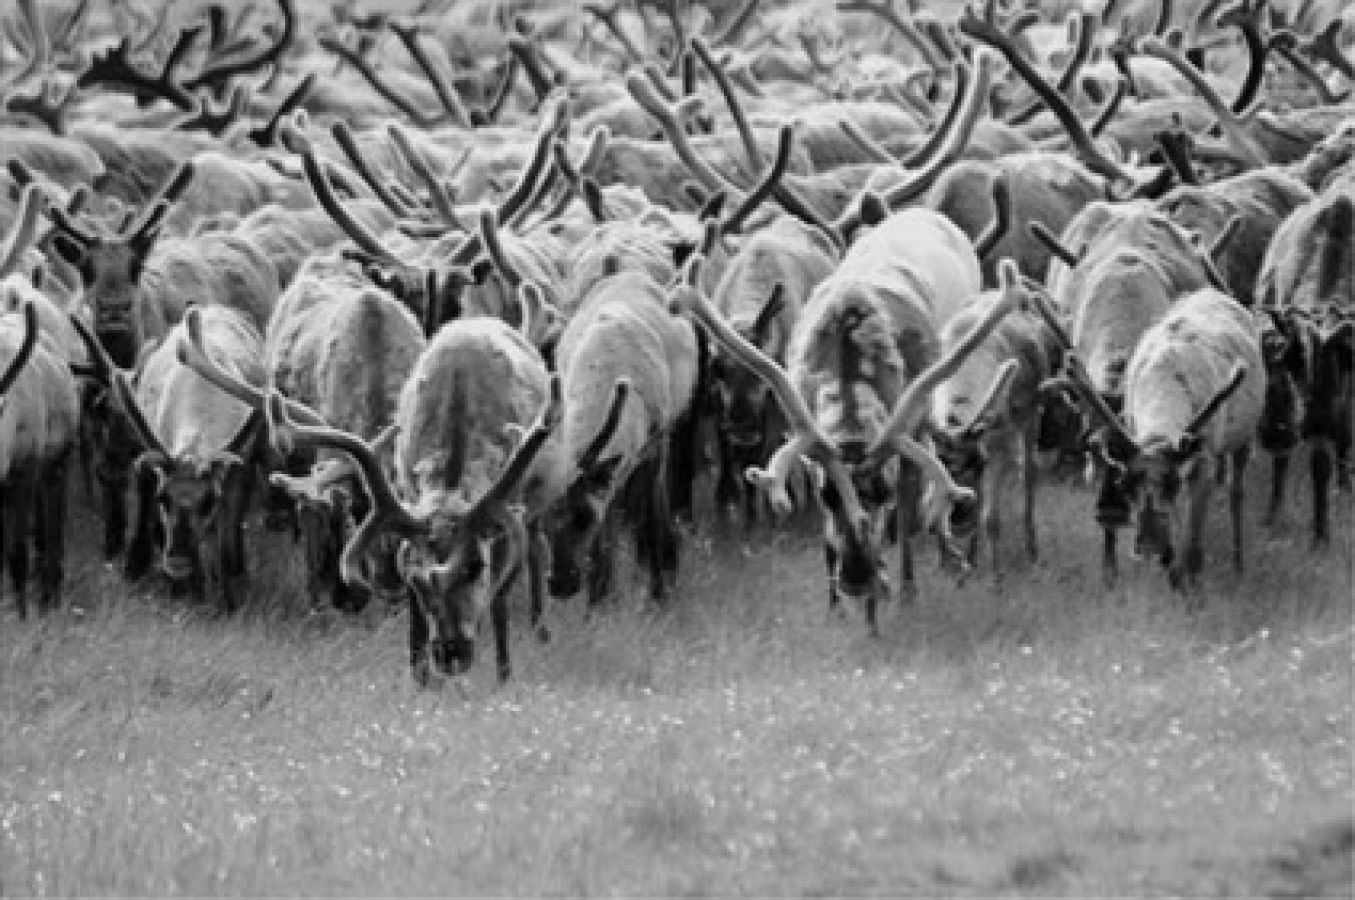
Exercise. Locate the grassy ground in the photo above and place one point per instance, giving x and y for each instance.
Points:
(1053, 739)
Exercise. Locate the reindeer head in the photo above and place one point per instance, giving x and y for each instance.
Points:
(744, 400)
(190, 495)
(110, 263)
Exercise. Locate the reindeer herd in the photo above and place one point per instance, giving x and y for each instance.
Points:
(454, 295)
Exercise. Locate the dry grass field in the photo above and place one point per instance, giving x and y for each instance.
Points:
(1046, 739)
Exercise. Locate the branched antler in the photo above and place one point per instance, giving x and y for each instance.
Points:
(266, 135)
(451, 102)
(114, 70)
(1324, 46)
(218, 77)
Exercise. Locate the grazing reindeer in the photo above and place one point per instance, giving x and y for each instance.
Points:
(863, 362)
(761, 293)
(621, 341)
(344, 349)
(983, 438)
(1194, 392)
(1307, 286)
(452, 500)
(1131, 265)
(194, 475)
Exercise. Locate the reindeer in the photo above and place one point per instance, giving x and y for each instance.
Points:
(1306, 287)
(1131, 265)
(344, 349)
(620, 343)
(38, 420)
(985, 418)
(761, 292)
(862, 364)
(1194, 392)
(453, 498)
(198, 445)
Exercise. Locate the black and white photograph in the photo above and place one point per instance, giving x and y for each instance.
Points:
(677, 448)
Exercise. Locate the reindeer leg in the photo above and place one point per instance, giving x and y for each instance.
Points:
(17, 516)
(830, 557)
(908, 494)
(1236, 497)
(141, 551)
(113, 487)
(5, 530)
(1029, 479)
(51, 533)
(538, 563)
(990, 513)
(420, 666)
(1279, 472)
(1109, 566)
(1343, 478)
(728, 482)
(600, 560)
(1320, 464)
(683, 463)
(498, 616)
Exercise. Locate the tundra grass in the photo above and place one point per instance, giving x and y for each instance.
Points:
(1049, 738)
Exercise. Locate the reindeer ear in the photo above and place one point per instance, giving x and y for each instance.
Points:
(71, 252)
(152, 461)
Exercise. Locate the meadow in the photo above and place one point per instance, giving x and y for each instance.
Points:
(1048, 739)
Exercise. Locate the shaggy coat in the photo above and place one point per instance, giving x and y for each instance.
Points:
(866, 331)
(1182, 364)
(1044, 187)
(1260, 199)
(477, 386)
(622, 331)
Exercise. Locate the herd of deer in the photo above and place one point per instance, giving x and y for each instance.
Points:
(474, 324)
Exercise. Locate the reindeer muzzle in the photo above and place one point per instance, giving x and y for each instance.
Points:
(454, 656)
(177, 567)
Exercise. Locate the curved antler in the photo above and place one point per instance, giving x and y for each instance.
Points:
(16, 243)
(489, 506)
(387, 513)
(30, 339)
(911, 407)
(191, 353)
(106, 372)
